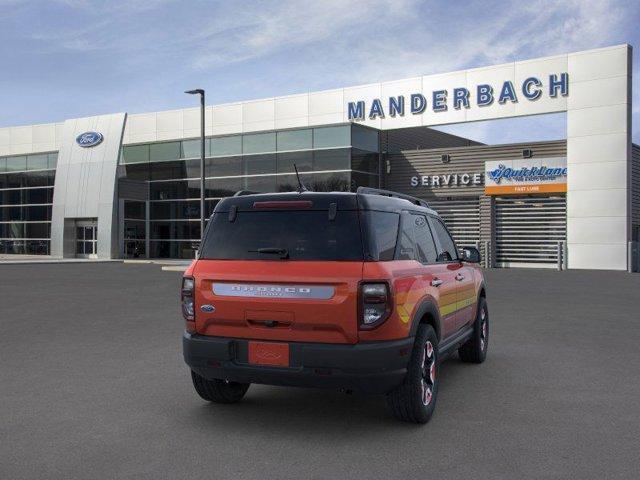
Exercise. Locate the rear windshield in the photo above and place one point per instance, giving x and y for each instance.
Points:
(290, 234)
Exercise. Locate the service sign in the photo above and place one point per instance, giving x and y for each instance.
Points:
(524, 176)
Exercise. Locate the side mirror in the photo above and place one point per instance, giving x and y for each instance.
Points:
(471, 255)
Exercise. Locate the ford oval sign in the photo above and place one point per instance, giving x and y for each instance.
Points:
(89, 139)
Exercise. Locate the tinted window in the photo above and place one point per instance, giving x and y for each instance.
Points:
(302, 160)
(332, 159)
(304, 234)
(259, 143)
(16, 164)
(328, 137)
(52, 160)
(223, 146)
(382, 233)
(135, 154)
(406, 242)
(425, 246)
(364, 138)
(259, 164)
(37, 162)
(447, 247)
(160, 152)
(191, 149)
(295, 140)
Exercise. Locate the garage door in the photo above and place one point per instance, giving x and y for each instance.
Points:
(462, 218)
(528, 230)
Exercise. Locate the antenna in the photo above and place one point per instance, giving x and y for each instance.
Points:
(301, 187)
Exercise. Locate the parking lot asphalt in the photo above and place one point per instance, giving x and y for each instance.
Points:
(93, 386)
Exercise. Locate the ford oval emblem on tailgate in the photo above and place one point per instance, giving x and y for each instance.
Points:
(208, 308)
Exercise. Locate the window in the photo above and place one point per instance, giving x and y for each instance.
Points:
(135, 154)
(364, 161)
(224, 146)
(191, 148)
(364, 180)
(223, 166)
(169, 170)
(406, 241)
(223, 187)
(259, 164)
(425, 246)
(139, 171)
(161, 152)
(134, 210)
(302, 160)
(447, 248)
(330, 137)
(175, 190)
(295, 140)
(327, 182)
(305, 235)
(16, 164)
(382, 233)
(52, 160)
(339, 159)
(179, 210)
(365, 138)
(37, 162)
(260, 184)
(259, 143)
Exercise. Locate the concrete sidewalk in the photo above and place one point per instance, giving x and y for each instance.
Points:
(37, 259)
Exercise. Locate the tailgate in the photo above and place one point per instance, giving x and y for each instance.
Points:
(296, 301)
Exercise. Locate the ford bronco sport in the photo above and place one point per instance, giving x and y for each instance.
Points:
(357, 291)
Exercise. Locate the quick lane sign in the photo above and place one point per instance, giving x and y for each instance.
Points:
(482, 95)
(543, 175)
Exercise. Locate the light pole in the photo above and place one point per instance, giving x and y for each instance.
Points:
(200, 91)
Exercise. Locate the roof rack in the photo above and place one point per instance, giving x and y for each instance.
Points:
(242, 193)
(389, 193)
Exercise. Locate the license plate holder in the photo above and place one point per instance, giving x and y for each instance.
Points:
(269, 354)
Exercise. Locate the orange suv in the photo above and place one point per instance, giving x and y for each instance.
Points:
(357, 291)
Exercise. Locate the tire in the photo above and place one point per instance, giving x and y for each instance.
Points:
(415, 400)
(475, 350)
(219, 391)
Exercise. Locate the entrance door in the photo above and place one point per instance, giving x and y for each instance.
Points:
(87, 239)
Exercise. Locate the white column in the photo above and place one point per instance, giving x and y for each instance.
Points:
(599, 158)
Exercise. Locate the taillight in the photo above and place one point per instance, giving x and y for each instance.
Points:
(375, 304)
(186, 297)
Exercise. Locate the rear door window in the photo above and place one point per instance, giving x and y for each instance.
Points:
(446, 247)
(425, 246)
(302, 234)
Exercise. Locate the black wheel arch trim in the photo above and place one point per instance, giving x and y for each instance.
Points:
(427, 306)
(481, 288)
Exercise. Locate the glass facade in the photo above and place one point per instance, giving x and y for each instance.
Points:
(336, 158)
(26, 196)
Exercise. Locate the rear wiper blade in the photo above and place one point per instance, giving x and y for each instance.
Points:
(284, 254)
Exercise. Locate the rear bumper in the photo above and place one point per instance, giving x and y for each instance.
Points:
(371, 367)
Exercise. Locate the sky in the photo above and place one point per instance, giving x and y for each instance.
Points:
(74, 58)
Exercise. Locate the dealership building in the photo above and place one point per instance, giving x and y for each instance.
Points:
(127, 185)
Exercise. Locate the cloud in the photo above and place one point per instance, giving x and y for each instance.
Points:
(267, 47)
(256, 33)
